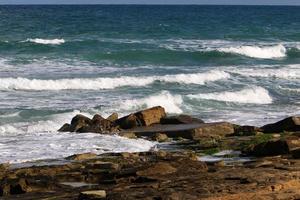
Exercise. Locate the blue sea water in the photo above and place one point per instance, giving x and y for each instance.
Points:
(221, 63)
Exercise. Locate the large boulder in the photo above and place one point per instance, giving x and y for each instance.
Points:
(181, 119)
(275, 147)
(246, 130)
(142, 118)
(290, 124)
(83, 124)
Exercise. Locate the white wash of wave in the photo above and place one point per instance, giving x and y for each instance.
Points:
(288, 72)
(264, 52)
(107, 83)
(165, 99)
(254, 95)
(40, 146)
(46, 41)
(51, 125)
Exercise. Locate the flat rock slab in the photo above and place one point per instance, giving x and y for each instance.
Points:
(188, 131)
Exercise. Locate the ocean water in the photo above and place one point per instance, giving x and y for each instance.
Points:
(221, 63)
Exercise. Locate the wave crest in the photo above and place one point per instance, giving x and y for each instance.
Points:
(165, 99)
(107, 83)
(268, 52)
(46, 41)
(254, 95)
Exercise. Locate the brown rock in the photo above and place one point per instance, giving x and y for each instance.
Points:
(92, 195)
(142, 118)
(78, 122)
(289, 124)
(159, 168)
(129, 135)
(83, 156)
(220, 129)
(113, 117)
(181, 119)
(160, 137)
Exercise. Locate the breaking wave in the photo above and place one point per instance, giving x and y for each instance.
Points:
(267, 52)
(254, 95)
(165, 99)
(107, 83)
(46, 41)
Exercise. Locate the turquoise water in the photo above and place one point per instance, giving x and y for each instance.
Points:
(234, 63)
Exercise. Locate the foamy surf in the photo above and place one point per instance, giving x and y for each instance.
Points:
(288, 72)
(266, 52)
(170, 102)
(254, 95)
(108, 83)
(46, 41)
(40, 146)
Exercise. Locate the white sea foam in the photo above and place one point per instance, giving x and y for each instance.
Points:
(287, 72)
(107, 83)
(254, 95)
(37, 146)
(170, 102)
(46, 41)
(266, 52)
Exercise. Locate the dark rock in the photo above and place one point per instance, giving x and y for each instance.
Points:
(289, 124)
(270, 148)
(246, 130)
(65, 128)
(128, 122)
(113, 117)
(79, 121)
(181, 119)
(296, 153)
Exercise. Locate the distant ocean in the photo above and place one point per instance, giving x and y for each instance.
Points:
(220, 63)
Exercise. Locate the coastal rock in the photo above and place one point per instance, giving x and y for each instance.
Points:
(269, 148)
(92, 195)
(78, 122)
(181, 119)
(129, 135)
(296, 153)
(14, 186)
(142, 118)
(83, 156)
(160, 137)
(128, 122)
(246, 130)
(65, 128)
(289, 124)
(159, 168)
(113, 117)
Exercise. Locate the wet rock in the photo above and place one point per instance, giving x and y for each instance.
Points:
(289, 124)
(129, 135)
(14, 186)
(159, 168)
(83, 156)
(92, 195)
(160, 137)
(181, 119)
(65, 128)
(78, 122)
(246, 130)
(113, 117)
(128, 122)
(269, 148)
(296, 153)
(142, 118)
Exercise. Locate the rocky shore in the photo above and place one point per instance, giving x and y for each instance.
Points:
(203, 161)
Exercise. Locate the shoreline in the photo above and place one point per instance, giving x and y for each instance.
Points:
(192, 160)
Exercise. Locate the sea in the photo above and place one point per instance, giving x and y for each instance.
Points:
(239, 64)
